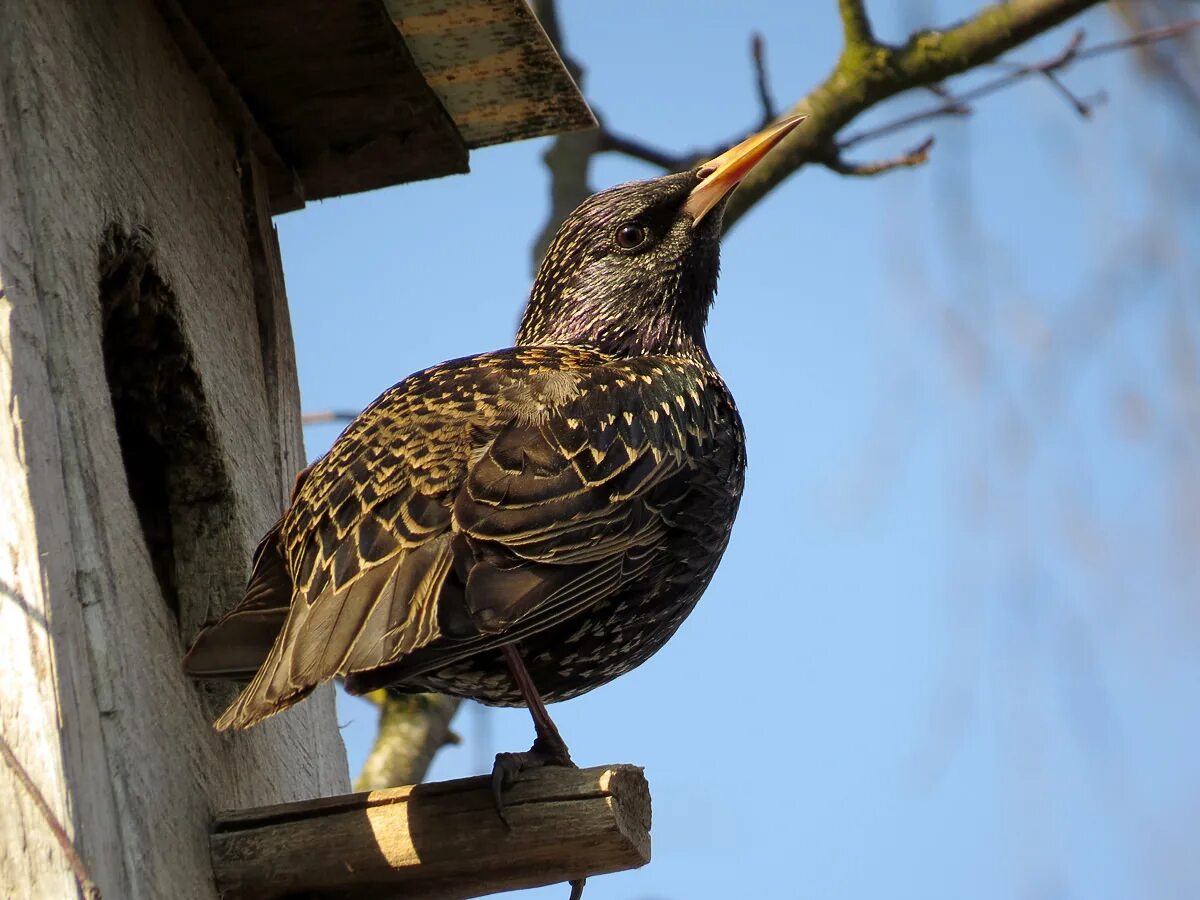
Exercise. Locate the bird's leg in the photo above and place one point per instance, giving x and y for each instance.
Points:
(549, 749)
(549, 741)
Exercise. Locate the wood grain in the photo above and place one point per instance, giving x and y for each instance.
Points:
(493, 68)
(438, 841)
(102, 124)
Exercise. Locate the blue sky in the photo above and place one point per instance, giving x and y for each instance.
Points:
(951, 649)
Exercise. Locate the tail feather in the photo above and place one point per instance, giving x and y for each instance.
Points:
(237, 646)
(234, 648)
(385, 612)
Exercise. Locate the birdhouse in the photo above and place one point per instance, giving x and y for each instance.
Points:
(151, 426)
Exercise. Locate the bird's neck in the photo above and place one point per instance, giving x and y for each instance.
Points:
(658, 320)
(664, 335)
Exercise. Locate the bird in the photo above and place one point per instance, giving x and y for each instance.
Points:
(523, 525)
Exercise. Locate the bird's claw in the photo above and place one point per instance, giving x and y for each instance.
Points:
(509, 765)
(505, 770)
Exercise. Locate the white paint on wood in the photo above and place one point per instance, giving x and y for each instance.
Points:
(101, 121)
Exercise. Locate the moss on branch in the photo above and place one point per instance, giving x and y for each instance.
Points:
(856, 24)
(868, 73)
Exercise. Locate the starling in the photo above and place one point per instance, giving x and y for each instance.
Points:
(521, 526)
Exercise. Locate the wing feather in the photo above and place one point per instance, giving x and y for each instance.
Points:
(473, 505)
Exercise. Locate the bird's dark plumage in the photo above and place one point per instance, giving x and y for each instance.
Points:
(569, 497)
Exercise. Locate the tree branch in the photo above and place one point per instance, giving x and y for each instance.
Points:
(412, 729)
(866, 76)
(867, 73)
(960, 104)
(914, 157)
(856, 25)
(612, 142)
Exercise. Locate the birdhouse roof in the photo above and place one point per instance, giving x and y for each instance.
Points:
(341, 96)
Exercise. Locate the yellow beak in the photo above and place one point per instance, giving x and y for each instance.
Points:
(723, 174)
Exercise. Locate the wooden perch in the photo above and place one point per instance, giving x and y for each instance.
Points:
(440, 840)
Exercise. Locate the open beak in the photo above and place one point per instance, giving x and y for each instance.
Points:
(723, 174)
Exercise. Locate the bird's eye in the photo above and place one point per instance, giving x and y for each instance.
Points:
(630, 236)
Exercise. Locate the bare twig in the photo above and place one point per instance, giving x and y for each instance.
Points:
(758, 55)
(611, 142)
(1049, 69)
(1073, 52)
(1176, 65)
(914, 157)
(78, 868)
(1066, 57)
(1081, 106)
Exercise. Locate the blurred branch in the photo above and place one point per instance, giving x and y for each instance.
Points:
(1177, 65)
(1049, 69)
(914, 157)
(617, 143)
(412, 729)
(570, 155)
(328, 415)
(610, 141)
(758, 54)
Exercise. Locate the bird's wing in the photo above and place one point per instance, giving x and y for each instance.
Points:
(561, 512)
(233, 648)
(470, 505)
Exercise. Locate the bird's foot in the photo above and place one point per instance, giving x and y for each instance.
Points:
(544, 752)
(509, 765)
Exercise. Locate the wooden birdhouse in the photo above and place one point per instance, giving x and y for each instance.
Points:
(149, 402)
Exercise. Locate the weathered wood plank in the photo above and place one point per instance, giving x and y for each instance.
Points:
(334, 85)
(441, 840)
(359, 94)
(493, 67)
(103, 123)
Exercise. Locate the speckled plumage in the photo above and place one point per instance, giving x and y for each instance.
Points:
(570, 496)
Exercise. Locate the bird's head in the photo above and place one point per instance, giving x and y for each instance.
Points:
(634, 268)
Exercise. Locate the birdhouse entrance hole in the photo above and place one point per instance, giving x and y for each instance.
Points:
(173, 466)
